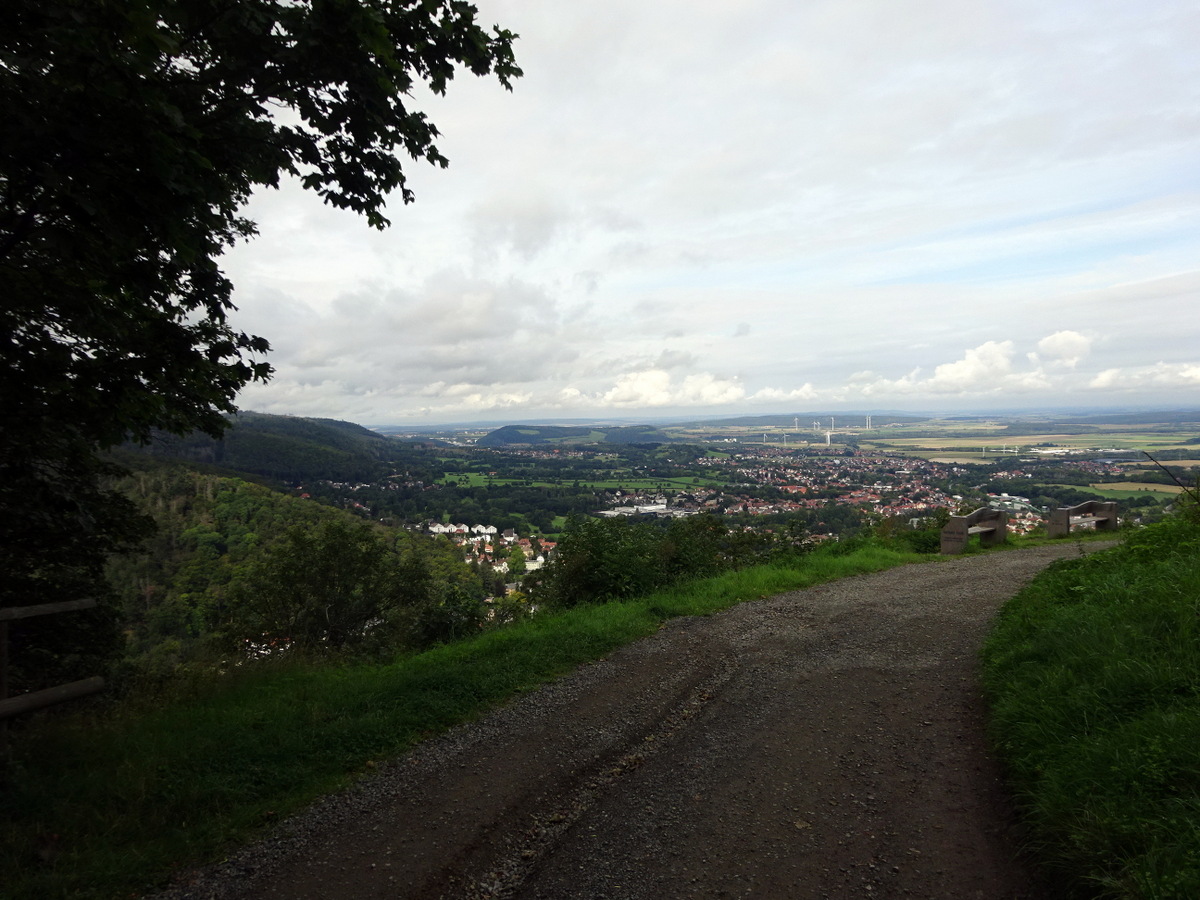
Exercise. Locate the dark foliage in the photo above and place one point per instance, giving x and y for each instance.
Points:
(232, 564)
(134, 132)
(598, 560)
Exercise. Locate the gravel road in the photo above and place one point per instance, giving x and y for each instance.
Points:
(821, 743)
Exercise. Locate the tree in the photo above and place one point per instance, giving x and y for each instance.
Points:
(516, 561)
(320, 587)
(134, 132)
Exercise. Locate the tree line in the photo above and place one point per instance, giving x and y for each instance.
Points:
(227, 570)
(607, 559)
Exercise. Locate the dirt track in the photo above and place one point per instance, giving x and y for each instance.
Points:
(822, 743)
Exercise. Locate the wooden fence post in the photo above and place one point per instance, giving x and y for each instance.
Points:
(12, 706)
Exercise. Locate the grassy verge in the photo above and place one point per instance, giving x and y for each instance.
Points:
(105, 805)
(1093, 673)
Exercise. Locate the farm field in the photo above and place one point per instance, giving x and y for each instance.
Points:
(1128, 490)
(950, 460)
(962, 439)
(1119, 490)
(1117, 440)
(1134, 486)
(955, 440)
(477, 479)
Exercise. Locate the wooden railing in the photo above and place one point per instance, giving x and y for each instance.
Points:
(990, 524)
(1101, 513)
(23, 703)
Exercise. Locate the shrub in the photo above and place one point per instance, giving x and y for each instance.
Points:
(598, 560)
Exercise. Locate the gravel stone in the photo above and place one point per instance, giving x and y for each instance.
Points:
(824, 743)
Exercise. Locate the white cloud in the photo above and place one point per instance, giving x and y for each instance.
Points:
(913, 204)
(990, 369)
(982, 368)
(987, 368)
(1182, 376)
(656, 388)
(524, 223)
(776, 395)
(1067, 348)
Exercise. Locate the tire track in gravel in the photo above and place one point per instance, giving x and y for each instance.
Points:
(821, 743)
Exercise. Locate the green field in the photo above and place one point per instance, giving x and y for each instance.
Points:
(1135, 487)
(1026, 443)
(477, 479)
(1125, 490)
(961, 440)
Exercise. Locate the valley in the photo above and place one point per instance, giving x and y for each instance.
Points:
(457, 528)
(839, 474)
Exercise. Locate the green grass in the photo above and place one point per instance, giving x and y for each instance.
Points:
(478, 479)
(1093, 674)
(1111, 494)
(108, 803)
(1159, 491)
(655, 484)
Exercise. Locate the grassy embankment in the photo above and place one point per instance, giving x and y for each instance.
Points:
(102, 804)
(1093, 672)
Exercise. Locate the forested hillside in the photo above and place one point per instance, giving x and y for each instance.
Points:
(289, 448)
(234, 566)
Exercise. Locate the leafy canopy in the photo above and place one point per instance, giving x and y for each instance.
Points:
(133, 133)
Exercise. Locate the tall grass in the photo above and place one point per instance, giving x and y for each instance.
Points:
(109, 802)
(1093, 673)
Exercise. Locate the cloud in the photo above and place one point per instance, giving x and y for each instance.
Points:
(523, 223)
(468, 396)
(1159, 376)
(989, 369)
(776, 395)
(656, 388)
(1066, 348)
(979, 369)
(864, 203)
(983, 369)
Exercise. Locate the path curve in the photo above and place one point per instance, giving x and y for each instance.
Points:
(821, 743)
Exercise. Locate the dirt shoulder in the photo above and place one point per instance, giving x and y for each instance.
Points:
(822, 743)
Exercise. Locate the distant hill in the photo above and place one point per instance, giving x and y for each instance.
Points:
(536, 435)
(1162, 417)
(289, 448)
(856, 420)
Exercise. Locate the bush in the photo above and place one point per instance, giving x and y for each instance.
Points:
(598, 560)
(455, 615)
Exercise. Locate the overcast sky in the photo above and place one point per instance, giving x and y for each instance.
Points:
(757, 206)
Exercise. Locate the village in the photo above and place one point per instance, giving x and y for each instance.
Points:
(500, 550)
(830, 493)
